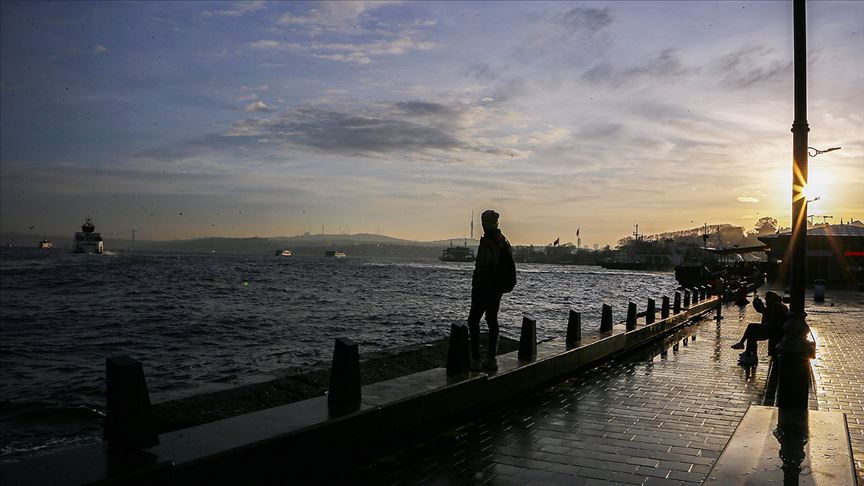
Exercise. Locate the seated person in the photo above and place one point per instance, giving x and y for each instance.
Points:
(771, 328)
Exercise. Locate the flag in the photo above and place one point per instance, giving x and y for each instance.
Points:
(577, 231)
(556, 241)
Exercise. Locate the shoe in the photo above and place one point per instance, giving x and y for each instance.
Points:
(490, 365)
(738, 346)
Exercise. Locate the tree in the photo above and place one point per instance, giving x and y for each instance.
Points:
(765, 226)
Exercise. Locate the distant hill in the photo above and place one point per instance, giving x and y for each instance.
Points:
(363, 244)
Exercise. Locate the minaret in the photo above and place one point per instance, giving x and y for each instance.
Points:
(472, 224)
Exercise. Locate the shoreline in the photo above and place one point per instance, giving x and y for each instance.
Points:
(312, 382)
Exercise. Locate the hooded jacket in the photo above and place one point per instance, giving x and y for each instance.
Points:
(492, 245)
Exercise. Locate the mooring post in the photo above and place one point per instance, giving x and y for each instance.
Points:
(719, 309)
(574, 329)
(677, 306)
(650, 311)
(528, 339)
(458, 360)
(345, 376)
(703, 293)
(686, 298)
(664, 307)
(631, 316)
(684, 342)
(606, 318)
(665, 351)
(129, 420)
(695, 294)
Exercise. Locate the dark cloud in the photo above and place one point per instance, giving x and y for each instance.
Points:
(400, 127)
(664, 65)
(750, 66)
(481, 71)
(591, 19)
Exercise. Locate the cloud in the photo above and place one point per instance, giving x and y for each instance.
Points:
(361, 53)
(237, 9)
(747, 199)
(588, 18)
(750, 66)
(99, 49)
(257, 106)
(415, 129)
(665, 65)
(333, 16)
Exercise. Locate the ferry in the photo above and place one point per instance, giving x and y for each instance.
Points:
(334, 254)
(284, 252)
(457, 253)
(87, 240)
(45, 244)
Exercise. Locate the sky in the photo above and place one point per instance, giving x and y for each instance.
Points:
(203, 119)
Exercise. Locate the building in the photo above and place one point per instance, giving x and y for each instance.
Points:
(835, 253)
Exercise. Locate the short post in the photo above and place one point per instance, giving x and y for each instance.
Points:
(458, 360)
(664, 307)
(631, 316)
(819, 290)
(719, 309)
(703, 292)
(606, 318)
(129, 420)
(344, 392)
(684, 342)
(686, 298)
(675, 347)
(528, 339)
(574, 329)
(677, 307)
(695, 293)
(650, 311)
(665, 351)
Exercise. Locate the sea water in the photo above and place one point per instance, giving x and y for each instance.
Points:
(200, 322)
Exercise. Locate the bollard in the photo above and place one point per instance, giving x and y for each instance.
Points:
(631, 316)
(693, 337)
(664, 307)
(574, 329)
(684, 342)
(650, 312)
(458, 356)
(686, 298)
(344, 376)
(719, 314)
(665, 351)
(703, 293)
(695, 294)
(528, 339)
(677, 307)
(129, 420)
(606, 318)
(819, 290)
(675, 347)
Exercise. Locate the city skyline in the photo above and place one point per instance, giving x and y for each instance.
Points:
(259, 118)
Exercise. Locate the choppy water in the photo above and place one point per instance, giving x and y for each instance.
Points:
(199, 322)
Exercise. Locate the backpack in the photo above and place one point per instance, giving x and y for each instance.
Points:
(506, 274)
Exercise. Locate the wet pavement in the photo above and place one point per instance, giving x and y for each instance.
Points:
(648, 419)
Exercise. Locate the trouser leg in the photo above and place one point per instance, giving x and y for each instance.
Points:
(474, 328)
(492, 306)
(754, 334)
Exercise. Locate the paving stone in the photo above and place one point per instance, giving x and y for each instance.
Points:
(640, 419)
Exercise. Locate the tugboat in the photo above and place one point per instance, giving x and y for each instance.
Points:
(45, 243)
(457, 253)
(284, 252)
(87, 240)
(334, 254)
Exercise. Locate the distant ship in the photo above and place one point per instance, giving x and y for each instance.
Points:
(334, 254)
(87, 240)
(457, 253)
(283, 252)
(45, 244)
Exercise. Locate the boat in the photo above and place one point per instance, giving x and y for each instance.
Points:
(283, 252)
(457, 253)
(334, 254)
(45, 244)
(639, 253)
(87, 240)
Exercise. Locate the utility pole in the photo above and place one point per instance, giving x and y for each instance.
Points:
(795, 350)
(472, 224)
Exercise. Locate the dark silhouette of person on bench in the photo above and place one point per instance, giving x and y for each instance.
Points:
(771, 328)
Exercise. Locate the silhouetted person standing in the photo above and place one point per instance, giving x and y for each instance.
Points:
(494, 275)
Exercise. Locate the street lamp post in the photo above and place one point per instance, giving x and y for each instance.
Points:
(795, 350)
